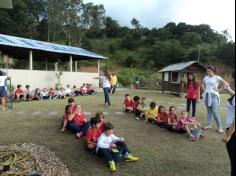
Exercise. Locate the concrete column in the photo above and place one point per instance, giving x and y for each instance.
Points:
(46, 63)
(99, 66)
(56, 66)
(76, 66)
(71, 64)
(31, 60)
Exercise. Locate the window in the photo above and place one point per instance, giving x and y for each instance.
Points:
(175, 77)
(166, 77)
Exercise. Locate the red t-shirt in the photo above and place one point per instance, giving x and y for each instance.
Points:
(88, 88)
(162, 117)
(19, 91)
(66, 116)
(93, 135)
(79, 119)
(73, 109)
(136, 103)
(129, 103)
(192, 90)
(101, 128)
(173, 118)
(51, 93)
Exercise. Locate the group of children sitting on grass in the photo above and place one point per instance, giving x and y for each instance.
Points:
(45, 94)
(160, 117)
(99, 134)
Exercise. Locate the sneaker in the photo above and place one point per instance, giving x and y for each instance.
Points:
(130, 158)
(79, 135)
(221, 131)
(137, 118)
(207, 128)
(112, 166)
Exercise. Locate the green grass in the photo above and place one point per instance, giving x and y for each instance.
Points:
(161, 153)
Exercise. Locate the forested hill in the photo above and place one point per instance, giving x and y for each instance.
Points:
(85, 25)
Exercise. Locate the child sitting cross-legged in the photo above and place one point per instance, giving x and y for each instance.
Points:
(141, 109)
(151, 113)
(128, 104)
(93, 134)
(109, 143)
(186, 123)
(162, 117)
(172, 119)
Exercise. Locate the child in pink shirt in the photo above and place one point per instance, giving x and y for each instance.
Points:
(186, 123)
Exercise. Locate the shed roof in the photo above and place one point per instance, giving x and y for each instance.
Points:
(12, 42)
(180, 66)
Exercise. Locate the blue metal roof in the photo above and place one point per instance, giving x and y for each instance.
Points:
(30, 44)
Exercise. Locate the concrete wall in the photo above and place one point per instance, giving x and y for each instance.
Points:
(47, 79)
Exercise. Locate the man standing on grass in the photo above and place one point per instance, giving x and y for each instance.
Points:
(3, 90)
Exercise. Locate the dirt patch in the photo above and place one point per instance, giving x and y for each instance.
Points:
(24, 159)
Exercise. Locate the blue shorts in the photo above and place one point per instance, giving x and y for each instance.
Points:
(3, 91)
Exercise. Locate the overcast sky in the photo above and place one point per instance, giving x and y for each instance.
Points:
(220, 14)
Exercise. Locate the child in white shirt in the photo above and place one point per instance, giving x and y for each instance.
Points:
(109, 143)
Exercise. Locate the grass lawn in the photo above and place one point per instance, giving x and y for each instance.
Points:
(161, 153)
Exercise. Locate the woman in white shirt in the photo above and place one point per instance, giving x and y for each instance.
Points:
(229, 138)
(106, 87)
(212, 97)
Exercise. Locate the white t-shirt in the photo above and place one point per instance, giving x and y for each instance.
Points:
(68, 90)
(105, 82)
(230, 113)
(212, 84)
(44, 94)
(104, 141)
(3, 81)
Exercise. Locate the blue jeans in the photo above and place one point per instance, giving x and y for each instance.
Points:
(213, 111)
(77, 129)
(107, 154)
(107, 91)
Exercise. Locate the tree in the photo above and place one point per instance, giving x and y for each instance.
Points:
(112, 27)
(135, 23)
(191, 39)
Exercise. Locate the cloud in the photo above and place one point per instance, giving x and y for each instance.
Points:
(220, 14)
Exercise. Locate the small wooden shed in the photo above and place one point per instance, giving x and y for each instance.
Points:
(174, 76)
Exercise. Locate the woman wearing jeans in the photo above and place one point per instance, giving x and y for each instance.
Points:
(212, 97)
(193, 93)
(229, 138)
(106, 87)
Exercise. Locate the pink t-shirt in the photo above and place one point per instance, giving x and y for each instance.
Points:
(183, 121)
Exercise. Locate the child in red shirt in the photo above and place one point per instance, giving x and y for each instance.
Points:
(172, 119)
(101, 116)
(93, 134)
(81, 122)
(128, 104)
(52, 94)
(162, 117)
(136, 100)
(19, 93)
(193, 93)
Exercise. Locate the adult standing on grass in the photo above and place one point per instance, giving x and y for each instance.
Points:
(106, 79)
(114, 82)
(3, 90)
(229, 138)
(212, 97)
(193, 93)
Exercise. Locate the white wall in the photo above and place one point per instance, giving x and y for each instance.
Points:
(47, 79)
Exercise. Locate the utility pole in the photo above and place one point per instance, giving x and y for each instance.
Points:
(199, 52)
